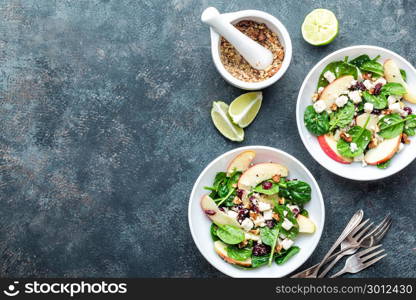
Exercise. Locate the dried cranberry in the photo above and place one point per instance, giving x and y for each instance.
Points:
(376, 111)
(295, 211)
(408, 110)
(360, 86)
(210, 212)
(377, 89)
(270, 223)
(267, 185)
(242, 214)
(260, 250)
(255, 208)
(240, 193)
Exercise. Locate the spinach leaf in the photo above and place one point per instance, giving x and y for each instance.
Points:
(391, 126)
(322, 82)
(393, 88)
(239, 254)
(258, 261)
(384, 165)
(213, 231)
(304, 212)
(373, 66)
(269, 237)
(410, 125)
(230, 234)
(273, 190)
(233, 179)
(342, 117)
(404, 75)
(360, 136)
(317, 124)
(379, 101)
(299, 192)
(339, 68)
(360, 60)
(284, 257)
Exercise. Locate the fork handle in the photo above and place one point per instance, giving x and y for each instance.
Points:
(331, 265)
(343, 271)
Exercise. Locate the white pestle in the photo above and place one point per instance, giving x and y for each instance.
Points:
(255, 54)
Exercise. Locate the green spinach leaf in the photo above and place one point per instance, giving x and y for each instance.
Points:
(213, 231)
(339, 68)
(379, 101)
(393, 88)
(360, 60)
(273, 190)
(384, 165)
(269, 237)
(342, 117)
(286, 255)
(239, 254)
(391, 126)
(410, 125)
(299, 192)
(373, 67)
(404, 75)
(317, 124)
(258, 261)
(230, 234)
(360, 136)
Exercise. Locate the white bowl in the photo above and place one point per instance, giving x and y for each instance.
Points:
(200, 224)
(352, 171)
(274, 25)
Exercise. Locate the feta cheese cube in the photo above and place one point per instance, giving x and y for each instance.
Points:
(353, 147)
(263, 206)
(329, 76)
(380, 80)
(368, 107)
(287, 224)
(287, 243)
(319, 106)
(293, 208)
(282, 236)
(355, 96)
(395, 107)
(284, 213)
(259, 221)
(232, 214)
(368, 84)
(250, 236)
(353, 82)
(341, 101)
(267, 215)
(247, 224)
(391, 99)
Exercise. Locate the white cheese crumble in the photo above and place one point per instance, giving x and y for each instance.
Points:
(341, 101)
(355, 96)
(353, 147)
(319, 106)
(259, 221)
(329, 76)
(380, 80)
(287, 224)
(287, 243)
(250, 236)
(247, 224)
(368, 84)
(353, 82)
(368, 107)
(391, 99)
(395, 107)
(232, 214)
(267, 215)
(263, 206)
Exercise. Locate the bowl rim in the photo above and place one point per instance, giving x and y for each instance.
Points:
(299, 115)
(317, 235)
(282, 31)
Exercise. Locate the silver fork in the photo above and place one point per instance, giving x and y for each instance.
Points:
(371, 239)
(361, 260)
(356, 237)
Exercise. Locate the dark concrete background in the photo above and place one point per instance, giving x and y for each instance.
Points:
(105, 126)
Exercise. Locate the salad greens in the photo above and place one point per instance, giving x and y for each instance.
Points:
(230, 234)
(316, 123)
(285, 255)
(339, 68)
(361, 137)
(342, 117)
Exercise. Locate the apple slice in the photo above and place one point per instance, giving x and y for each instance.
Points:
(329, 145)
(241, 162)
(335, 88)
(215, 214)
(392, 74)
(259, 173)
(383, 152)
(305, 224)
(372, 123)
(221, 250)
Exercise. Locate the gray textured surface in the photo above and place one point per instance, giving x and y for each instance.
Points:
(105, 126)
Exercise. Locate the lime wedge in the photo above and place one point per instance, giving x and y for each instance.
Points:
(244, 108)
(222, 121)
(320, 27)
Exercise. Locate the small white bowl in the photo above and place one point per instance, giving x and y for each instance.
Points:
(274, 25)
(200, 224)
(352, 171)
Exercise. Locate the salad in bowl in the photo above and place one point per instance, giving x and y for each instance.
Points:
(360, 110)
(257, 212)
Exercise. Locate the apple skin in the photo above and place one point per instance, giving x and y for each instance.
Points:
(383, 152)
(221, 250)
(332, 152)
(218, 217)
(259, 173)
(334, 89)
(392, 74)
(241, 162)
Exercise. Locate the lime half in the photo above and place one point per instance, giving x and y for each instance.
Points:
(244, 108)
(222, 121)
(320, 27)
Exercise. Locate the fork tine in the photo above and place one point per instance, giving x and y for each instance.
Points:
(377, 228)
(371, 262)
(382, 233)
(361, 253)
(371, 255)
(382, 228)
(361, 233)
(358, 228)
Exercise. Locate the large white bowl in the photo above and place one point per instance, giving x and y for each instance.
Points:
(200, 224)
(352, 171)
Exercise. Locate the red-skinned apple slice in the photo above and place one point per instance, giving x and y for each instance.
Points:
(215, 214)
(335, 88)
(241, 162)
(329, 145)
(383, 152)
(372, 123)
(392, 74)
(221, 250)
(259, 173)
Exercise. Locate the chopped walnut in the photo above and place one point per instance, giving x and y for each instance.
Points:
(373, 143)
(243, 244)
(255, 231)
(345, 137)
(405, 139)
(276, 217)
(334, 107)
(253, 215)
(282, 200)
(367, 76)
(278, 248)
(276, 178)
(237, 200)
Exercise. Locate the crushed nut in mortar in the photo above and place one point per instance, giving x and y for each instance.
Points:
(238, 67)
